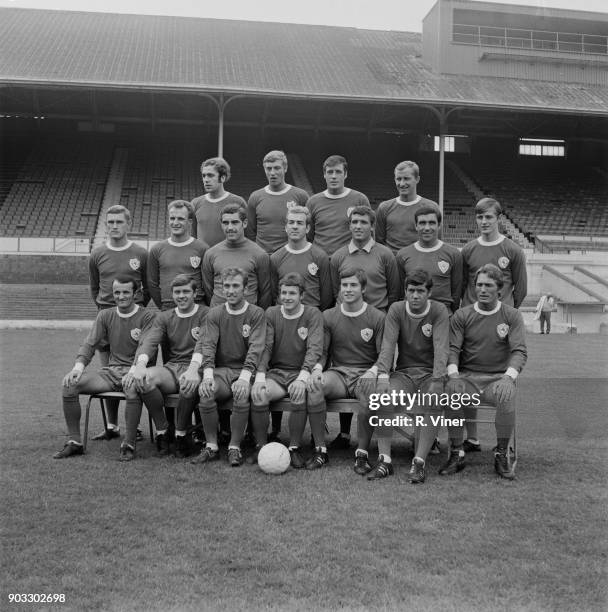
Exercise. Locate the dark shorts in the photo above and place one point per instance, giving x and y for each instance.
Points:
(284, 378)
(113, 375)
(350, 377)
(176, 370)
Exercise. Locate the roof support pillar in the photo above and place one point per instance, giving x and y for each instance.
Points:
(220, 103)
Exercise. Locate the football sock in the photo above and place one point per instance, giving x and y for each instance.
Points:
(260, 420)
(317, 426)
(72, 413)
(210, 421)
(185, 408)
(238, 423)
(112, 405)
(419, 460)
(155, 404)
(297, 424)
(385, 458)
(132, 416)
(213, 447)
(503, 443)
(179, 433)
(473, 440)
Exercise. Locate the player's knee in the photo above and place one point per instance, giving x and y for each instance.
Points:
(131, 393)
(260, 408)
(240, 407)
(207, 405)
(71, 391)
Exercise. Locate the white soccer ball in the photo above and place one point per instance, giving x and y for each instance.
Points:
(273, 458)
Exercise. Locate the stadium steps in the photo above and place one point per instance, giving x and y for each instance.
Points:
(112, 192)
(298, 173)
(46, 302)
(575, 284)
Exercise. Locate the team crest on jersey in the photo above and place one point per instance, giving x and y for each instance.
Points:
(196, 332)
(135, 333)
(443, 266)
(503, 262)
(349, 210)
(246, 330)
(502, 330)
(367, 334)
(303, 332)
(427, 330)
(195, 261)
(313, 268)
(290, 204)
(134, 263)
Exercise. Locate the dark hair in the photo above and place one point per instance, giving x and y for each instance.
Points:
(119, 209)
(419, 278)
(334, 160)
(220, 164)
(232, 272)
(487, 204)
(363, 211)
(181, 280)
(292, 279)
(428, 209)
(180, 204)
(126, 281)
(493, 272)
(358, 273)
(231, 209)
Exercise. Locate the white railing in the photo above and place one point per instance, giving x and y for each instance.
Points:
(44, 245)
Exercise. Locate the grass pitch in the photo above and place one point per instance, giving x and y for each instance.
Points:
(161, 534)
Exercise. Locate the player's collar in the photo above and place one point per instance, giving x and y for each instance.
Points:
(186, 315)
(487, 312)
(404, 203)
(297, 315)
(337, 197)
(277, 193)
(367, 247)
(422, 249)
(418, 315)
(181, 244)
(298, 251)
(128, 315)
(492, 242)
(353, 314)
(122, 248)
(241, 310)
(214, 200)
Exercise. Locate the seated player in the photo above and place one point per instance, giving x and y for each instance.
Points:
(231, 348)
(487, 353)
(177, 330)
(352, 339)
(419, 328)
(294, 343)
(120, 328)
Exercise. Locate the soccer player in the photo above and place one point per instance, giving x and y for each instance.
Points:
(442, 261)
(120, 327)
(267, 207)
(304, 258)
(179, 254)
(353, 336)
(491, 247)
(230, 350)
(118, 257)
(237, 251)
(206, 209)
(178, 330)
(376, 260)
(329, 210)
(395, 224)
(419, 327)
(294, 344)
(487, 353)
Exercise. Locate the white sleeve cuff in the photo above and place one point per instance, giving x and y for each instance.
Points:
(303, 376)
(245, 375)
(452, 369)
(383, 377)
(260, 377)
(197, 358)
(143, 358)
(318, 366)
(374, 369)
(78, 366)
(208, 373)
(132, 369)
(512, 373)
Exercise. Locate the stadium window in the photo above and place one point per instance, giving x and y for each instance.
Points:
(448, 143)
(542, 148)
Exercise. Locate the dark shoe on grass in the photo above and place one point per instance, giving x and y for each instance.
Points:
(297, 461)
(107, 434)
(206, 456)
(127, 452)
(318, 460)
(454, 464)
(362, 466)
(381, 470)
(417, 473)
(69, 449)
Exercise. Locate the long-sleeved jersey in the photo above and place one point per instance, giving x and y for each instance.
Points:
(444, 264)
(292, 342)
(248, 256)
(121, 332)
(233, 339)
(422, 339)
(352, 339)
(329, 225)
(503, 253)
(177, 332)
(312, 264)
(395, 222)
(107, 263)
(207, 225)
(488, 341)
(267, 214)
(383, 282)
(167, 259)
